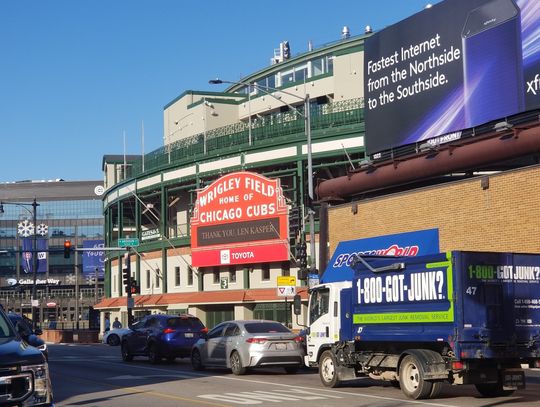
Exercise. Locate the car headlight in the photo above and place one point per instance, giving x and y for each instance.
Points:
(42, 385)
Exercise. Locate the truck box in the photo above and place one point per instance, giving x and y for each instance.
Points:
(485, 304)
(462, 317)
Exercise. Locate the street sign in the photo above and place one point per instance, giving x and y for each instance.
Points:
(286, 286)
(128, 242)
(286, 281)
(286, 291)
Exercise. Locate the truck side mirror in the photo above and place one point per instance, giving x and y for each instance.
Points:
(297, 305)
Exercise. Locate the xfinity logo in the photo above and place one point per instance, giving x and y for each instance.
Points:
(490, 21)
(534, 85)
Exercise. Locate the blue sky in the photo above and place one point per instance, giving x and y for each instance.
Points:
(76, 75)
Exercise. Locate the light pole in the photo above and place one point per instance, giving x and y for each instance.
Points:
(34, 206)
(307, 128)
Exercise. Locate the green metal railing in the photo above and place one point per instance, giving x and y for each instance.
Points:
(265, 131)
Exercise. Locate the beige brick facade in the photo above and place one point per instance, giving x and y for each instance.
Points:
(502, 217)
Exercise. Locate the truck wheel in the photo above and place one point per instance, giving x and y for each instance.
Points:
(328, 369)
(411, 379)
(493, 389)
(436, 390)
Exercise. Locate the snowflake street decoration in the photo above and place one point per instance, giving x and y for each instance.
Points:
(90, 279)
(70, 279)
(25, 228)
(42, 229)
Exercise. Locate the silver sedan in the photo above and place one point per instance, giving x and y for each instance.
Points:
(240, 345)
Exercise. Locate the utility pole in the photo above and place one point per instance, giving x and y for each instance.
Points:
(126, 277)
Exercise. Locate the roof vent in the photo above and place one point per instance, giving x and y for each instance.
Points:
(368, 29)
(345, 33)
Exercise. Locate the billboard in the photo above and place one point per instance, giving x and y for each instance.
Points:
(421, 292)
(417, 243)
(456, 65)
(93, 259)
(241, 218)
(27, 260)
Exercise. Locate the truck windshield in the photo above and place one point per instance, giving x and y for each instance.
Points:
(318, 304)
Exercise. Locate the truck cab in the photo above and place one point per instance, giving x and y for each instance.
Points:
(24, 372)
(324, 320)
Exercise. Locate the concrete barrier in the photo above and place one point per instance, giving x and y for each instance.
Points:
(70, 336)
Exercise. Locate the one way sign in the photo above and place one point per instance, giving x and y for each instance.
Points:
(286, 291)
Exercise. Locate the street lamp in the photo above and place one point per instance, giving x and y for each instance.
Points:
(307, 129)
(34, 206)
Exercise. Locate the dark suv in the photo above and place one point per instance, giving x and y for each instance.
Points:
(162, 336)
(23, 325)
(24, 373)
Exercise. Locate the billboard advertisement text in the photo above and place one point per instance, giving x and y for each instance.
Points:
(456, 65)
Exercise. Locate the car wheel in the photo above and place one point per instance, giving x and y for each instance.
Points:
(196, 360)
(126, 356)
(411, 379)
(328, 369)
(291, 369)
(153, 354)
(236, 364)
(113, 340)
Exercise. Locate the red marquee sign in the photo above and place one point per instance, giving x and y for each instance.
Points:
(241, 218)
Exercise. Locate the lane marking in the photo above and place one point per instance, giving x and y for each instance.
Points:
(337, 392)
(134, 390)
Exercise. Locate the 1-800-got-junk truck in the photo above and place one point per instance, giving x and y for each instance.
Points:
(458, 317)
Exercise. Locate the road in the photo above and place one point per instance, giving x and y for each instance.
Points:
(95, 375)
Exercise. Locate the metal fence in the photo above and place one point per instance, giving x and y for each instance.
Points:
(266, 130)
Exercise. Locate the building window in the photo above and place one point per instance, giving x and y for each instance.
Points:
(147, 278)
(286, 269)
(190, 277)
(177, 276)
(215, 273)
(265, 269)
(232, 274)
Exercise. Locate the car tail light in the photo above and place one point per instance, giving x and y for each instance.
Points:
(298, 339)
(256, 340)
(536, 363)
(204, 330)
(458, 365)
(168, 331)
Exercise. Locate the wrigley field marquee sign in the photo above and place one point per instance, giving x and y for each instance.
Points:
(241, 218)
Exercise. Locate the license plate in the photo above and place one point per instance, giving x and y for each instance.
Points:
(188, 335)
(513, 379)
(281, 346)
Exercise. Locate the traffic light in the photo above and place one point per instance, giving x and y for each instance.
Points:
(67, 249)
(301, 255)
(294, 222)
(135, 289)
(126, 273)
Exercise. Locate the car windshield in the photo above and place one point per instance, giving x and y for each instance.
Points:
(265, 327)
(193, 323)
